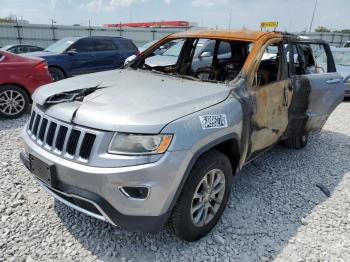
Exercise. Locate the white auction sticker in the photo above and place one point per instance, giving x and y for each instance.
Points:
(213, 121)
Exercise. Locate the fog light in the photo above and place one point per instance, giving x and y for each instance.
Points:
(135, 192)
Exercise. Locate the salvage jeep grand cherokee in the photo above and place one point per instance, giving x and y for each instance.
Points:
(153, 145)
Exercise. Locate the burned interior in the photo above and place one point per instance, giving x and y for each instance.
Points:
(203, 59)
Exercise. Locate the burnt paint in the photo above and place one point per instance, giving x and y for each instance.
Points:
(297, 113)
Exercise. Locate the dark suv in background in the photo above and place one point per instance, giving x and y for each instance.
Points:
(82, 55)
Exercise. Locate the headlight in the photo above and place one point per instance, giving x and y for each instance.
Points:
(132, 144)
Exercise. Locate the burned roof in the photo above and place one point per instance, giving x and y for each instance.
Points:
(242, 35)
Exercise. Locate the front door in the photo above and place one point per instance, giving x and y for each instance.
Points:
(271, 92)
(82, 60)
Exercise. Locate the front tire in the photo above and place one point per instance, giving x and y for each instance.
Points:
(203, 198)
(14, 101)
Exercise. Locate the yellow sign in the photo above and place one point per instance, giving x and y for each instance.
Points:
(268, 24)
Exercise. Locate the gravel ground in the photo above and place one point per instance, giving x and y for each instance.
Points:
(276, 211)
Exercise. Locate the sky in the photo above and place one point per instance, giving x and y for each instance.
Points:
(292, 15)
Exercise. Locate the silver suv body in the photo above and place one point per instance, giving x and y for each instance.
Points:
(145, 145)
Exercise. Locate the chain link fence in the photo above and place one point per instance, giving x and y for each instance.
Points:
(45, 35)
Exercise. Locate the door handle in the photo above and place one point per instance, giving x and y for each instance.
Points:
(333, 81)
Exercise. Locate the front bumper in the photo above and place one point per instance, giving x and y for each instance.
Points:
(95, 190)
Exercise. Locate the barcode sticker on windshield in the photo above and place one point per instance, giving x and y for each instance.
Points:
(213, 121)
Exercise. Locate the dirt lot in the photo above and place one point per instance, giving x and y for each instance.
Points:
(276, 211)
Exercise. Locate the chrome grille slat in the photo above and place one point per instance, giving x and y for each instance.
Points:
(36, 125)
(72, 142)
(55, 136)
(87, 144)
(61, 137)
(51, 133)
(66, 140)
(31, 121)
(42, 129)
(80, 142)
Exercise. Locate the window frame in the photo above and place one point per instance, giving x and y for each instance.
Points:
(330, 61)
(116, 48)
(72, 46)
(282, 74)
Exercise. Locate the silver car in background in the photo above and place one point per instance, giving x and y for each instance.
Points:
(342, 62)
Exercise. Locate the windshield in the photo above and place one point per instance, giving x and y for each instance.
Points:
(341, 58)
(147, 45)
(174, 50)
(61, 45)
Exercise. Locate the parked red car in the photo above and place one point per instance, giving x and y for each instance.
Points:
(19, 78)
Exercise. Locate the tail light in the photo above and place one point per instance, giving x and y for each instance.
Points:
(41, 66)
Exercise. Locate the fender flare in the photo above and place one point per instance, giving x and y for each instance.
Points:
(194, 159)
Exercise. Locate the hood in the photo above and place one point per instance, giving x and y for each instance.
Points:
(160, 60)
(127, 100)
(39, 54)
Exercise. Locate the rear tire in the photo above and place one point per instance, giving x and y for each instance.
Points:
(56, 73)
(203, 198)
(296, 142)
(14, 101)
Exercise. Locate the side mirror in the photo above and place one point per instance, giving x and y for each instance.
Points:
(206, 54)
(129, 60)
(71, 52)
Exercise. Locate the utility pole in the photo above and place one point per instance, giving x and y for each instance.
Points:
(313, 16)
(229, 20)
(90, 29)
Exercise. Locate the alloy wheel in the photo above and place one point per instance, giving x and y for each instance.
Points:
(208, 197)
(11, 102)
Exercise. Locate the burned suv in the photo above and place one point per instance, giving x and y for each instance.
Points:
(155, 145)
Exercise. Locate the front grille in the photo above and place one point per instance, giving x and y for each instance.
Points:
(61, 138)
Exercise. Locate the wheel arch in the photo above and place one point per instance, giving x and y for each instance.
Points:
(20, 86)
(228, 144)
(60, 68)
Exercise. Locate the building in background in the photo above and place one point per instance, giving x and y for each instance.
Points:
(167, 24)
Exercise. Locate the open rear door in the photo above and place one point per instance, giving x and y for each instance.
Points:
(318, 88)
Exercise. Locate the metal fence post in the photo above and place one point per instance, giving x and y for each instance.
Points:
(53, 31)
(17, 26)
(90, 29)
(341, 39)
